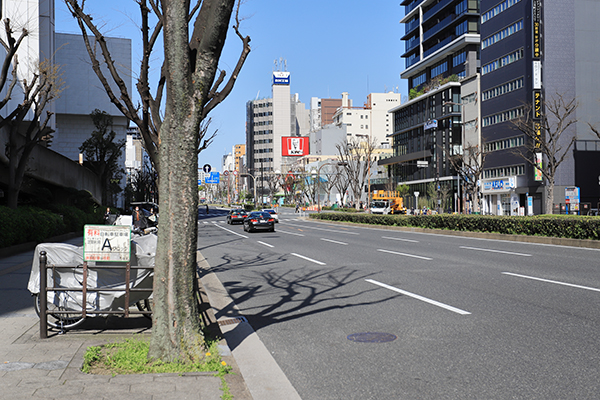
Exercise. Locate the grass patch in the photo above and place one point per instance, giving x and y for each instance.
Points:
(131, 357)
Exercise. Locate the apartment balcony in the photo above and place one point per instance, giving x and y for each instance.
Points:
(436, 9)
(443, 24)
(438, 46)
(411, 44)
(409, 27)
(409, 7)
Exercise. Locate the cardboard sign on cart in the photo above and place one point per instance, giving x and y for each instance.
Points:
(106, 243)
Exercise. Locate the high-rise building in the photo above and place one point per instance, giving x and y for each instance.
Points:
(268, 122)
(534, 50)
(441, 49)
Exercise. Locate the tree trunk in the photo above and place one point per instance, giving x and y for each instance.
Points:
(176, 330)
(549, 197)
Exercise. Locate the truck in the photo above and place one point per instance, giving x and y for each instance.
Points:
(387, 202)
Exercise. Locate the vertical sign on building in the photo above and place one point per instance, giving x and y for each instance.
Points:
(536, 33)
(536, 19)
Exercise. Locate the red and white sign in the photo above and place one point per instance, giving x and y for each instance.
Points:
(295, 146)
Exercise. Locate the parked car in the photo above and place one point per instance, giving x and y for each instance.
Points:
(236, 215)
(259, 220)
(272, 212)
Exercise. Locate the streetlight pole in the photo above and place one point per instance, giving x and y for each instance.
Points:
(254, 184)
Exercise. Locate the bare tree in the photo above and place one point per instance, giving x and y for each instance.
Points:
(192, 86)
(331, 179)
(272, 184)
(546, 137)
(342, 183)
(469, 167)
(147, 115)
(357, 157)
(27, 123)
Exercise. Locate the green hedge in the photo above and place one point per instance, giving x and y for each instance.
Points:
(573, 227)
(33, 224)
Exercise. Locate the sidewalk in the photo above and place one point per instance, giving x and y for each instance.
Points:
(32, 368)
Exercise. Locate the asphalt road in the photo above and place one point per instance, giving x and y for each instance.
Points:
(440, 317)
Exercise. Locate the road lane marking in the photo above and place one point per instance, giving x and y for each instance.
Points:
(334, 241)
(416, 296)
(403, 240)
(496, 251)
(555, 282)
(230, 231)
(308, 259)
(328, 230)
(265, 244)
(289, 233)
(404, 254)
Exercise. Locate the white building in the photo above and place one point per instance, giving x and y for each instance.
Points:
(82, 92)
(372, 121)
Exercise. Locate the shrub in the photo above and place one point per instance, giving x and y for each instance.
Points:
(573, 227)
(34, 224)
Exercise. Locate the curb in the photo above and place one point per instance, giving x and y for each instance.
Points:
(555, 241)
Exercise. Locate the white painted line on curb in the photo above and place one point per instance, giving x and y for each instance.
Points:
(404, 254)
(403, 240)
(290, 233)
(496, 251)
(265, 244)
(416, 296)
(308, 259)
(555, 282)
(230, 231)
(334, 241)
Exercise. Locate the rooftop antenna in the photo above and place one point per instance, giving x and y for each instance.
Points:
(257, 94)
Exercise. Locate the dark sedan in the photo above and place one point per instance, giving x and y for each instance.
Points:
(259, 220)
(236, 216)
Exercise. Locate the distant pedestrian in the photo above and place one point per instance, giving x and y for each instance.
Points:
(138, 218)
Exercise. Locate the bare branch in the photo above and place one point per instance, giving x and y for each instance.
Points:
(217, 97)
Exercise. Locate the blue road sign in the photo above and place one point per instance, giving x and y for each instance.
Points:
(214, 178)
(206, 168)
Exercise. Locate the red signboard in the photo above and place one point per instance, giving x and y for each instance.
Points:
(294, 146)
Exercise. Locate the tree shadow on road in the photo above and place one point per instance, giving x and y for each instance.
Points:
(300, 292)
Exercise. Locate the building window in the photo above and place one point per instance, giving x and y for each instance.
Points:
(504, 33)
(497, 10)
(501, 172)
(459, 58)
(502, 89)
(419, 80)
(439, 69)
(503, 116)
(504, 144)
(502, 61)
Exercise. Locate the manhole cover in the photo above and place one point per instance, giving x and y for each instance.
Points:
(372, 337)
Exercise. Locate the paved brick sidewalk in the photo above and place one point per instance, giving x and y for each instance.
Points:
(32, 368)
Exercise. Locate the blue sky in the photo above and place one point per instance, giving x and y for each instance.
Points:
(330, 47)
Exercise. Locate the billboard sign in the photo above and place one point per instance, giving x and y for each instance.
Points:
(295, 146)
(432, 123)
(281, 78)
